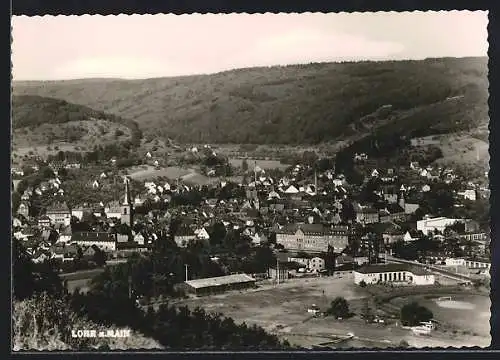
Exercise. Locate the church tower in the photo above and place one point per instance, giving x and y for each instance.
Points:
(401, 201)
(127, 210)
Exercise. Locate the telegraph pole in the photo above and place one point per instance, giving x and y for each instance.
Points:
(130, 287)
(277, 270)
(186, 267)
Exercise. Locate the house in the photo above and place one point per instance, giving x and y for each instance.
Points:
(202, 234)
(184, 236)
(95, 184)
(391, 213)
(291, 190)
(410, 236)
(401, 274)
(468, 194)
(139, 239)
(113, 210)
(258, 238)
(59, 213)
(375, 173)
(410, 208)
(426, 188)
(24, 209)
(391, 198)
(40, 256)
(312, 237)
(392, 234)
(344, 260)
(44, 221)
(316, 264)
(414, 165)
(102, 240)
(366, 214)
(65, 235)
(273, 195)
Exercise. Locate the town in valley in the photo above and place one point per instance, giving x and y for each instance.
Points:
(268, 235)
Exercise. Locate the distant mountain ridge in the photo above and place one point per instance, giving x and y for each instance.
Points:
(296, 104)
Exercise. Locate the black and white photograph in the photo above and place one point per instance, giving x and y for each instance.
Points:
(250, 182)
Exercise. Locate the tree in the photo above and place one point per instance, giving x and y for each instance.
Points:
(22, 272)
(244, 165)
(47, 172)
(309, 157)
(413, 314)
(63, 173)
(330, 260)
(339, 308)
(99, 257)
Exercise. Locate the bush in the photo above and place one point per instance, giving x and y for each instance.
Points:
(339, 308)
(413, 314)
(362, 284)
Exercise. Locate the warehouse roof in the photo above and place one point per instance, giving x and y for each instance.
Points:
(220, 280)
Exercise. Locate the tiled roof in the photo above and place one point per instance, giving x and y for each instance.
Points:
(92, 236)
(385, 268)
(312, 229)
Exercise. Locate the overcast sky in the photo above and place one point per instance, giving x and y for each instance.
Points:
(142, 46)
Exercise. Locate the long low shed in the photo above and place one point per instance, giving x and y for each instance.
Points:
(219, 284)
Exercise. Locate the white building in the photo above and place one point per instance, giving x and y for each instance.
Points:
(427, 226)
(401, 274)
(469, 263)
(103, 240)
(468, 194)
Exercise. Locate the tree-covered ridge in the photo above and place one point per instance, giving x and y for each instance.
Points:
(293, 104)
(33, 111)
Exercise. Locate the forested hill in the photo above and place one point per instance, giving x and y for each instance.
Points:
(293, 104)
(33, 111)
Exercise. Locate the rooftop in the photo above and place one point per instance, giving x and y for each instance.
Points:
(220, 281)
(384, 268)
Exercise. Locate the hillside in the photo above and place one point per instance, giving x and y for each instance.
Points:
(44, 323)
(51, 124)
(293, 104)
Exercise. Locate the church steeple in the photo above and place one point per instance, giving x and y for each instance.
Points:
(126, 201)
(126, 215)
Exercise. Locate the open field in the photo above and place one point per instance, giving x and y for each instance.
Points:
(282, 310)
(41, 150)
(263, 164)
(80, 279)
(459, 148)
(146, 172)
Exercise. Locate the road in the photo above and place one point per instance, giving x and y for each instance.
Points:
(435, 269)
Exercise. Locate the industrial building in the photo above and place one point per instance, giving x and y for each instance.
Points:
(219, 284)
